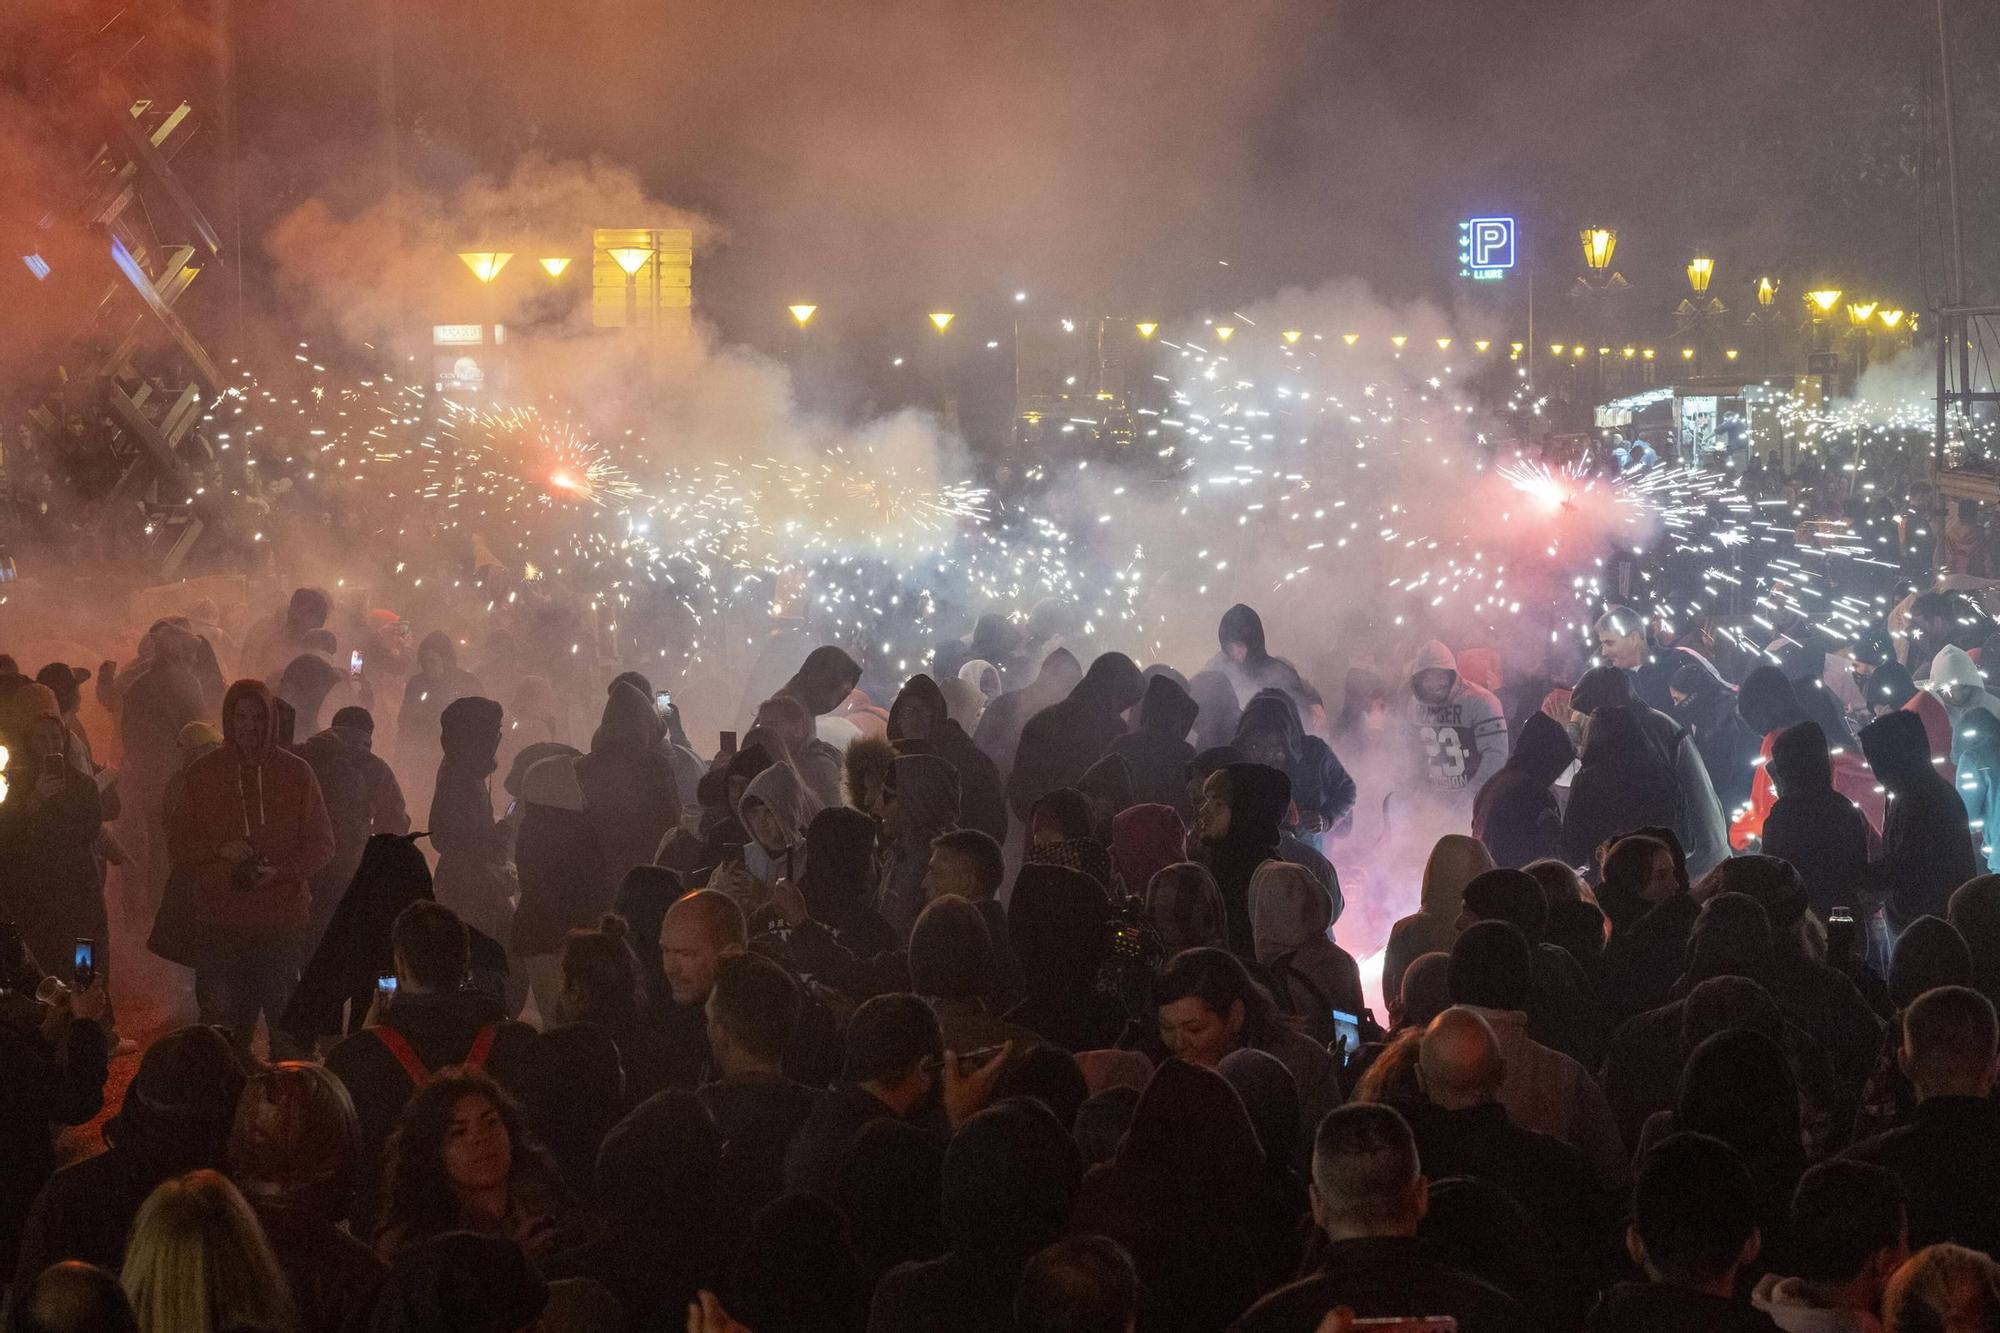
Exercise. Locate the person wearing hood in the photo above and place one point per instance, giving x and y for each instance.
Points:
(1216, 709)
(438, 682)
(307, 681)
(1186, 908)
(281, 636)
(1242, 657)
(824, 680)
(1625, 643)
(1705, 704)
(922, 800)
(1458, 732)
(1311, 976)
(1974, 913)
(775, 811)
(1060, 927)
(1563, 1012)
(1769, 704)
(1060, 743)
(564, 885)
(475, 874)
(1454, 862)
(362, 799)
(1890, 688)
(1146, 839)
(985, 677)
(998, 735)
(251, 830)
(154, 703)
(919, 723)
(963, 703)
(1242, 806)
(1364, 712)
(1011, 1176)
(1927, 844)
(1515, 812)
(49, 821)
(1931, 953)
(1956, 682)
(628, 785)
(1269, 732)
(786, 721)
(1699, 821)
(1815, 828)
(1157, 752)
(1178, 1196)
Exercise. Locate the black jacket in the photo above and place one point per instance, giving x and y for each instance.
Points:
(1514, 813)
(41, 1086)
(1158, 753)
(1321, 785)
(1927, 844)
(1812, 826)
(1625, 783)
(1060, 743)
(758, 1116)
(1633, 1307)
(820, 1146)
(982, 796)
(1947, 1157)
(1383, 1277)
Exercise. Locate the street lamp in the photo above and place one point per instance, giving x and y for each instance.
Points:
(1444, 344)
(630, 258)
(1824, 299)
(1292, 336)
(1398, 339)
(1147, 327)
(554, 265)
(941, 319)
(1767, 292)
(1225, 331)
(1860, 312)
(485, 264)
(1891, 319)
(1481, 344)
(802, 313)
(1599, 243)
(1350, 338)
(1700, 270)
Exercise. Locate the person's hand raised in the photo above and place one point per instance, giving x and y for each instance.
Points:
(91, 1003)
(706, 1315)
(966, 1092)
(789, 902)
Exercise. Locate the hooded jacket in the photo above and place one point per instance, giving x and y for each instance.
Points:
(1769, 705)
(1060, 927)
(1321, 786)
(1515, 813)
(998, 735)
(1700, 826)
(1954, 667)
(1461, 742)
(1979, 780)
(557, 860)
(1146, 839)
(1892, 687)
(424, 701)
(266, 797)
(1454, 862)
(1060, 743)
(362, 798)
(1290, 915)
(475, 875)
(982, 795)
(628, 784)
(1727, 744)
(1258, 670)
(1815, 828)
(779, 790)
(823, 680)
(1624, 784)
(1927, 844)
(1158, 751)
(1258, 799)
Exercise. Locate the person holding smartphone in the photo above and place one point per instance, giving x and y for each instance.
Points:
(49, 821)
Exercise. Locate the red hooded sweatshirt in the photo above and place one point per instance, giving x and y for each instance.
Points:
(269, 799)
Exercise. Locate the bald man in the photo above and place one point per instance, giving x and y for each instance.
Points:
(696, 931)
(1463, 1130)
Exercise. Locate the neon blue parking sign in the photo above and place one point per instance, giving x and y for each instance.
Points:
(1486, 248)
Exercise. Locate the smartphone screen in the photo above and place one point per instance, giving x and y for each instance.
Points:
(732, 852)
(84, 963)
(54, 766)
(354, 663)
(729, 742)
(1347, 1027)
(385, 985)
(663, 700)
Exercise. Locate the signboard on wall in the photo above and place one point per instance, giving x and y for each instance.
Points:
(1487, 248)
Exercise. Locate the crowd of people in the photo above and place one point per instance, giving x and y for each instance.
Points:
(1014, 1005)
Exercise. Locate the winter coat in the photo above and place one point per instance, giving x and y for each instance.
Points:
(475, 876)
(1258, 799)
(1060, 743)
(823, 680)
(628, 786)
(998, 735)
(1515, 813)
(1158, 752)
(305, 684)
(1146, 839)
(1433, 928)
(1320, 785)
(41, 1086)
(557, 860)
(354, 949)
(1258, 670)
(1457, 744)
(779, 790)
(1927, 844)
(267, 798)
(1703, 832)
(1815, 828)
(1892, 687)
(1767, 702)
(1727, 745)
(1624, 784)
(982, 796)
(1979, 780)
(1658, 1307)
(1060, 927)
(49, 886)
